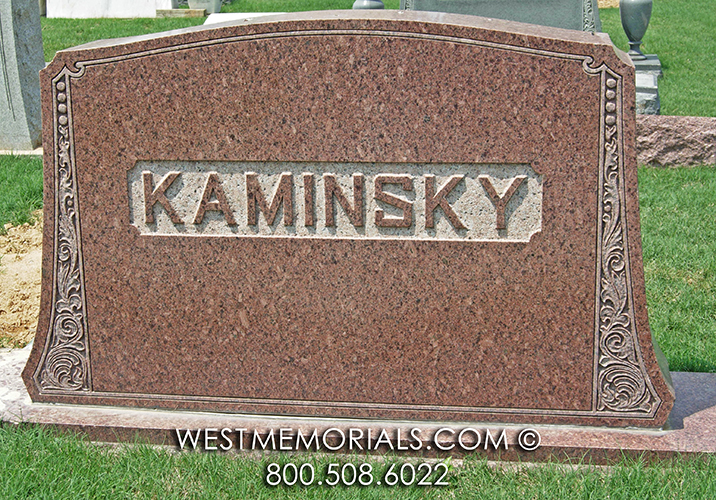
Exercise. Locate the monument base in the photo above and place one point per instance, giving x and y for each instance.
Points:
(648, 71)
(181, 12)
(650, 64)
(690, 431)
(647, 94)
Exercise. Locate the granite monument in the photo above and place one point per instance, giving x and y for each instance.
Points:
(373, 214)
(21, 59)
(569, 14)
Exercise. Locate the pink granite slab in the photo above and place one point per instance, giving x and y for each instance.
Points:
(551, 329)
(691, 426)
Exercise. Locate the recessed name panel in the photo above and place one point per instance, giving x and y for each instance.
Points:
(337, 200)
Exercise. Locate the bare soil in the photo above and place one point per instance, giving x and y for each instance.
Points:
(20, 278)
(608, 4)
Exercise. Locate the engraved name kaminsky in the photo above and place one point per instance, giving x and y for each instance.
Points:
(351, 200)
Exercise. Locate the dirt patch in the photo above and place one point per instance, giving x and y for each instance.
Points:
(20, 278)
(608, 4)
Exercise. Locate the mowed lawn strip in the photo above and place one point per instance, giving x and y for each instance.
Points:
(42, 463)
(20, 188)
(678, 227)
(59, 34)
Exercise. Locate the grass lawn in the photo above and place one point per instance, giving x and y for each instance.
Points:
(58, 34)
(678, 208)
(39, 463)
(20, 188)
(683, 34)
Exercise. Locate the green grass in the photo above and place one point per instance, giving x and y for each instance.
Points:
(678, 215)
(20, 189)
(58, 34)
(682, 34)
(40, 463)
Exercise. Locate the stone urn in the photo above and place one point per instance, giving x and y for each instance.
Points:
(368, 4)
(635, 16)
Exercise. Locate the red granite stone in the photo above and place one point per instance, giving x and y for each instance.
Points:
(549, 329)
(690, 430)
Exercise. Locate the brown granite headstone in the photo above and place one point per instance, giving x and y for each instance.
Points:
(396, 215)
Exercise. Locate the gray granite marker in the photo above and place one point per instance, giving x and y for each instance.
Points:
(570, 14)
(21, 59)
(635, 15)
